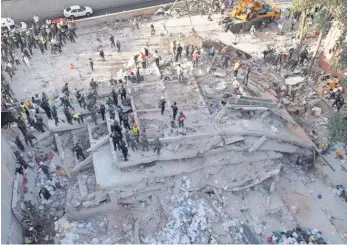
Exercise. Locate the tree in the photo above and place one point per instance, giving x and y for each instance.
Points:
(323, 23)
(305, 7)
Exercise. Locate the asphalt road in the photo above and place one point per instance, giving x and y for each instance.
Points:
(143, 4)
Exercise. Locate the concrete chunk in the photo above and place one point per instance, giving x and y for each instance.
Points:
(220, 72)
(82, 165)
(258, 144)
(82, 186)
(98, 144)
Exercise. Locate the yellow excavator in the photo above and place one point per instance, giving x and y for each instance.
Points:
(249, 13)
(256, 9)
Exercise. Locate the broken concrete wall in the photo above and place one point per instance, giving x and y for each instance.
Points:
(11, 228)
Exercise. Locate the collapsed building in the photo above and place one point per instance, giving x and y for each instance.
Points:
(215, 180)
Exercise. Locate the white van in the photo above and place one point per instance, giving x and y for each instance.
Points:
(9, 24)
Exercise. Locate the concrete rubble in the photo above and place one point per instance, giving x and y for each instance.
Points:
(223, 178)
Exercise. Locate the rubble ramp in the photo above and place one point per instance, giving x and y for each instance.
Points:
(248, 236)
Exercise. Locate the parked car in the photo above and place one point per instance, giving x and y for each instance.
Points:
(9, 24)
(77, 11)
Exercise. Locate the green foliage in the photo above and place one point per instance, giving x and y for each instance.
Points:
(337, 127)
(342, 57)
(305, 5)
(323, 20)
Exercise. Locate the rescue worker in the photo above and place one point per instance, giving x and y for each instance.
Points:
(247, 71)
(118, 46)
(179, 52)
(78, 117)
(179, 73)
(144, 140)
(102, 110)
(55, 115)
(114, 97)
(181, 118)
(91, 63)
(157, 145)
(126, 122)
(162, 103)
(156, 58)
(136, 133)
(132, 142)
(94, 85)
(236, 68)
(112, 41)
(339, 102)
(102, 54)
(123, 93)
(79, 152)
(65, 89)
(152, 30)
(68, 115)
(174, 110)
(39, 124)
(46, 108)
(25, 109)
(71, 37)
(19, 143)
(116, 140)
(94, 115)
(127, 137)
(117, 128)
(226, 59)
(124, 150)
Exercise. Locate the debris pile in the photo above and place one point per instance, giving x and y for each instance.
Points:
(297, 235)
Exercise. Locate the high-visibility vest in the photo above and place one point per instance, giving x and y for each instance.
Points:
(77, 115)
(135, 130)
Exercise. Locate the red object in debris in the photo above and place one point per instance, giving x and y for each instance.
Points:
(25, 180)
(58, 20)
(25, 189)
(50, 155)
(269, 239)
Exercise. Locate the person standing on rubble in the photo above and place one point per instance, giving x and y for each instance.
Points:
(118, 46)
(78, 117)
(226, 59)
(179, 73)
(162, 103)
(115, 139)
(114, 97)
(55, 115)
(174, 110)
(124, 149)
(247, 71)
(136, 133)
(174, 49)
(339, 102)
(132, 142)
(79, 152)
(195, 57)
(91, 63)
(123, 93)
(102, 54)
(152, 30)
(157, 145)
(252, 30)
(156, 58)
(236, 68)
(126, 121)
(68, 115)
(135, 24)
(112, 41)
(179, 52)
(144, 140)
(102, 110)
(181, 118)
